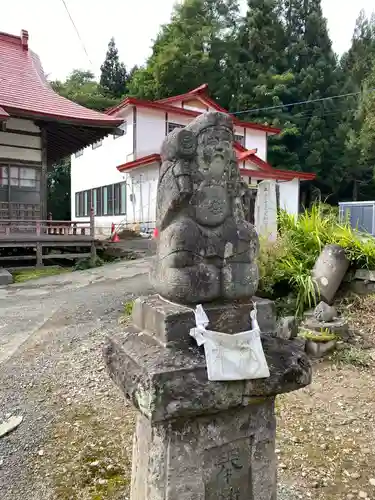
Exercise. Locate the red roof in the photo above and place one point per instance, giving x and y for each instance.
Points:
(266, 171)
(280, 175)
(140, 162)
(202, 89)
(200, 93)
(24, 88)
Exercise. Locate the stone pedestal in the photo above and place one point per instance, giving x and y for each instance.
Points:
(196, 439)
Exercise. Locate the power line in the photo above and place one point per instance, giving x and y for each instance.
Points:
(76, 30)
(279, 106)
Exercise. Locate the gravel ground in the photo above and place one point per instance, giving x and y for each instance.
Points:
(75, 439)
(71, 410)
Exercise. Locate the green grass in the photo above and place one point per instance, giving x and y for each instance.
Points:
(128, 308)
(285, 265)
(88, 459)
(323, 335)
(353, 356)
(31, 274)
(126, 315)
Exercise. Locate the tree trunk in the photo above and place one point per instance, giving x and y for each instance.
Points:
(355, 190)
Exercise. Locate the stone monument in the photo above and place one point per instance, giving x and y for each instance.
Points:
(196, 439)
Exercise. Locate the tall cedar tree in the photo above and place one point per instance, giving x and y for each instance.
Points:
(359, 152)
(263, 77)
(316, 76)
(113, 76)
(195, 47)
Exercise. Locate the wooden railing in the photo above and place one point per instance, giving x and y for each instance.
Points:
(49, 227)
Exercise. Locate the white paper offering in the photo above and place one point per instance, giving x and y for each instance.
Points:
(236, 356)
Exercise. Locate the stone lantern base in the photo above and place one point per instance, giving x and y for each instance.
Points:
(196, 439)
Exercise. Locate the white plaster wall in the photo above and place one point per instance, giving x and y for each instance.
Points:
(14, 139)
(256, 139)
(150, 131)
(289, 196)
(142, 190)
(190, 107)
(97, 167)
(14, 146)
(181, 119)
(22, 124)
(24, 154)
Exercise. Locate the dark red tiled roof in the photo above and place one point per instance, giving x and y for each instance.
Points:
(24, 88)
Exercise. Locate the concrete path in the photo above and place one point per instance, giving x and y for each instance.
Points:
(26, 307)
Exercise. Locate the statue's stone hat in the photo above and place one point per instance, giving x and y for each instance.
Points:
(210, 120)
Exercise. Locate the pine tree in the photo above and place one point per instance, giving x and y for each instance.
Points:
(113, 73)
(195, 47)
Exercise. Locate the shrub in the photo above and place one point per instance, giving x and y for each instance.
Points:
(285, 265)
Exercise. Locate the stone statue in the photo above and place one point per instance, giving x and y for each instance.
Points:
(206, 249)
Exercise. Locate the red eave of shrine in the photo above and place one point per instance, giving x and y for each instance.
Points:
(266, 171)
(202, 89)
(25, 91)
(201, 93)
(276, 174)
(140, 162)
(155, 157)
(167, 106)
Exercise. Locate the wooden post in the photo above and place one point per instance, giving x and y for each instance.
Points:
(92, 234)
(49, 217)
(43, 177)
(10, 214)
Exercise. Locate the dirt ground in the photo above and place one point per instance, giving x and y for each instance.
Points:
(326, 439)
(326, 433)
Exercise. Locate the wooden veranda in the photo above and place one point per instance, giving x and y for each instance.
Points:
(38, 128)
(46, 239)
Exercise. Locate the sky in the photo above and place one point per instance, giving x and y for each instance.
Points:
(133, 23)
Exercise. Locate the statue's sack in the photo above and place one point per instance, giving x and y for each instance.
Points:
(236, 356)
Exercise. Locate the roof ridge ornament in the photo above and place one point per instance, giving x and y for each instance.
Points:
(25, 39)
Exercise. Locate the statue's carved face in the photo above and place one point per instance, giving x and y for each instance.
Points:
(214, 152)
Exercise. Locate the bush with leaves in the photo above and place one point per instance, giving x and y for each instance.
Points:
(285, 266)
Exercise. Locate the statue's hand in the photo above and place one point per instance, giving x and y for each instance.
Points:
(246, 231)
(185, 185)
(182, 173)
